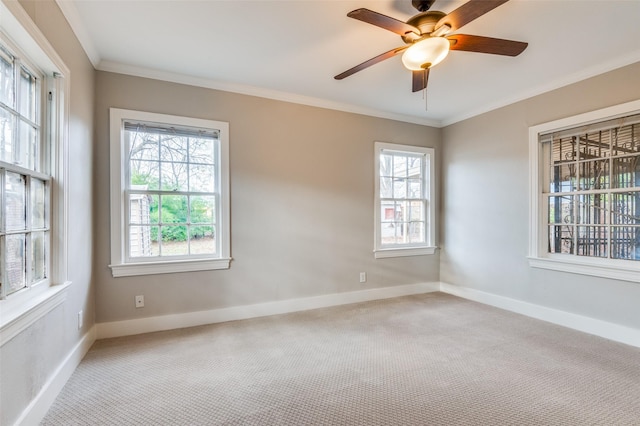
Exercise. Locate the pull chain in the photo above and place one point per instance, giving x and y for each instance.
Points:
(426, 99)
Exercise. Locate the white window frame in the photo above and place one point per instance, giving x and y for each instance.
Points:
(400, 250)
(626, 270)
(23, 308)
(122, 266)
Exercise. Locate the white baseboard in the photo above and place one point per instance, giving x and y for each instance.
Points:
(611, 331)
(37, 409)
(191, 319)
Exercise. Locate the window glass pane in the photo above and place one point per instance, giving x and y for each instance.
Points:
(27, 95)
(7, 131)
(625, 242)
(415, 188)
(27, 155)
(203, 209)
(201, 151)
(143, 174)
(416, 232)
(143, 146)
(414, 165)
(388, 233)
(625, 208)
(386, 190)
(593, 209)
(626, 171)
(592, 241)
(399, 166)
(564, 177)
(143, 241)
(416, 211)
(15, 276)
(389, 215)
(564, 150)
(561, 239)
(173, 176)
(174, 148)
(174, 240)
(388, 211)
(38, 256)
(38, 203)
(15, 187)
(561, 209)
(6, 78)
(386, 162)
(594, 174)
(399, 188)
(173, 209)
(201, 178)
(595, 145)
(202, 240)
(626, 140)
(143, 209)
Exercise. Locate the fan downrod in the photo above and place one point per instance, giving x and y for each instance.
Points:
(422, 5)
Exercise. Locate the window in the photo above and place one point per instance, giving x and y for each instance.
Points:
(170, 193)
(586, 193)
(33, 203)
(404, 212)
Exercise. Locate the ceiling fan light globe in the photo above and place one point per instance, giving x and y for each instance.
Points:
(425, 53)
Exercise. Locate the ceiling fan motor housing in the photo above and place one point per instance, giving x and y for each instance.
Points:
(425, 22)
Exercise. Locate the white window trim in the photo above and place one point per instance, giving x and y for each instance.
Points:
(427, 248)
(24, 308)
(538, 257)
(119, 266)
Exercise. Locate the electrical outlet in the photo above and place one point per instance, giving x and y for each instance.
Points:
(140, 301)
(363, 277)
(80, 320)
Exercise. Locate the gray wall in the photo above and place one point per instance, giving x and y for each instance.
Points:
(485, 204)
(301, 202)
(29, 359)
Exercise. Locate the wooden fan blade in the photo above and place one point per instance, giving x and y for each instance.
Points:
(383, 21)
(372, 61)
(420, 80)
(468, 12)
(496, 46)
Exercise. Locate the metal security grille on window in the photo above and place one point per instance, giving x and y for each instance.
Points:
(172, 191)
(592, 189)
(24, 182)
(402, 199)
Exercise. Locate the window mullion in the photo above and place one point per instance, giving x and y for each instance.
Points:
(576, 197)
(608, 216)
(28, 234)
(3, 250)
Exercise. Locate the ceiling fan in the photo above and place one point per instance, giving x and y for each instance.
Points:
(428, 39)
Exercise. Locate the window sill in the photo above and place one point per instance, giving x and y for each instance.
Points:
(593, 267)
(151, 268)
(21, 312)
(403, 252)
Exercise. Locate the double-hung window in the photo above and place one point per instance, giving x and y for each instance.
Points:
(170, 193)
(24, 177)
(586, 193)
(33, 203)
(404, 212)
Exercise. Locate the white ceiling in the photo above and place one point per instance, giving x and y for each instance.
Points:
(291, 50)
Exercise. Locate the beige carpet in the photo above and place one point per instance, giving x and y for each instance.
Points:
(431, 359)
